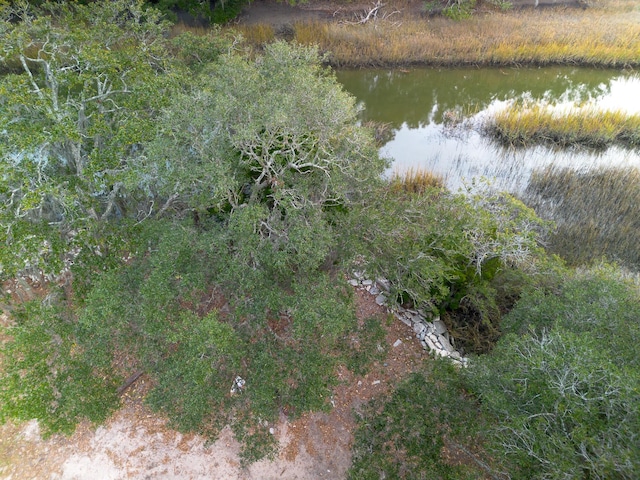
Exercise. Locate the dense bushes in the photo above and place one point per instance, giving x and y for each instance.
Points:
(405, 435)
(444, 252)
(558, 397)
(565, 392)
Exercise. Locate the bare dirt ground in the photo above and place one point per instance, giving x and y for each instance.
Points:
(136, 443)
(280, 13)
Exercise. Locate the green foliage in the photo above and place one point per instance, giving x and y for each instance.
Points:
(45, 374)
(219, 11)
(194, 378)
(454, 9)
(566, 393)
(269, 147)
(89, 82)
(404, 435)
(445, 253)
(283, 339)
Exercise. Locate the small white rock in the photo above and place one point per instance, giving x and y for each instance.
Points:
(272, 431)
(375, 382)
(397, 343)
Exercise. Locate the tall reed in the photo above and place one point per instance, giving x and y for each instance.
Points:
(597, 213)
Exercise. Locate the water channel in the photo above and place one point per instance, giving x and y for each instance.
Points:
(416, 103)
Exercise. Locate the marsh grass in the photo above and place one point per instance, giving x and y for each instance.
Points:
(606, 36)
(415, 180)
(597, 213)
(257, 35)
(589, 127)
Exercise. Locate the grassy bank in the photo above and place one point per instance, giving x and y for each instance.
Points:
(607, 36)
(589, 127)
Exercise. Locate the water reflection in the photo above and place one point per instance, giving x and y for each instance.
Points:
(415, 104)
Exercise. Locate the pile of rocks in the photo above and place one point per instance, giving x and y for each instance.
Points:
(433, 334)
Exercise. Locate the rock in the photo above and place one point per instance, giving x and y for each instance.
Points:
(456, 356)
(404, 320)
(381, 299)
(439, 326)
(272, 431)
(367, 282)
(445, 344)
(375, 382)
(384, 283)
(419, 328)
(374, 290)
(397, 343)
(354, 282)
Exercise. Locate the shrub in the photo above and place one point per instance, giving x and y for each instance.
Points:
(45, 373)
(565, 394)
(441, 251)
(408, 434)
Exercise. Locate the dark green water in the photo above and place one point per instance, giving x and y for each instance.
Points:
(414, 104)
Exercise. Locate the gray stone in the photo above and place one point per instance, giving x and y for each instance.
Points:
(381, 299)
(397, 343)
(404, 320)
(445, 344)
(439, 326)
(419, 328)
(384, 283)
(374, 290)
(367, 282)
(354, 282)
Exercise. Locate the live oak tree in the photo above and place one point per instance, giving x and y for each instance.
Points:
(83, 89)
(271, 146)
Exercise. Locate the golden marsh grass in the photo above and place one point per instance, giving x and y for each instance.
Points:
(588, 127)
(415, 180)
(606, 36)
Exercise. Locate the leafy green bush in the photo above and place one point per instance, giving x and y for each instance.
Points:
(566, 393)
(406, 435)
(45, 374)
(446, 253)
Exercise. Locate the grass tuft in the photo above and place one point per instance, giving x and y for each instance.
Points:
(415, 181)
(588, 127)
